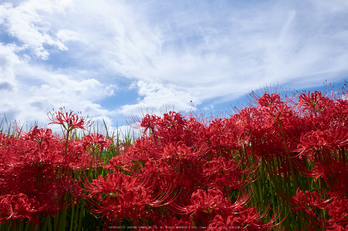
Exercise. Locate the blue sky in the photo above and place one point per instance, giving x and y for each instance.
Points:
(113, 59)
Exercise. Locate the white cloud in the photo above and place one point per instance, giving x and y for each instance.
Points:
(74, 53)
(29, 91)
(26, 22)
(68, 35)
(8, 60)
(218, 55)
(156, 96)
(334, 6)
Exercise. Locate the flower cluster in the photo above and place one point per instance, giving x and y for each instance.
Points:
(34, 175)
(37, 172)
(280, 162)
(190, 170)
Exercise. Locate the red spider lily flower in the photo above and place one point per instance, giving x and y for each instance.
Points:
(268, 100)
(338, 228)
(6, 140)
(159, 176)
(339, 111)
(186, 164)
(247, 122)
(69, 121)
(338, 210)
(307, 201)
(333, 172)
(313, 103)
(195, 133)
(219, 223)
(149, 122)
(19, 207)
(213, 210)
(249, 219)
(40, 182)
(223, 137)
(95, 142)
(311, 99)
(310, 203)
(39, 147)
(314, 141)
(136, 156)
(274, 108)
(204, 206)
(42, 136)
(118, 196)
(37, 171)
(173, 127)
(223, 174)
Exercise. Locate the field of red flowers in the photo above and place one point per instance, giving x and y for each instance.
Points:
(278, 164)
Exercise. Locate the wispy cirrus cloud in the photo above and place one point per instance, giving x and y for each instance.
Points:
(27, 23)
(193, 55)
(30, 86)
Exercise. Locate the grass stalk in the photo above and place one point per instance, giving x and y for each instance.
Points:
(72, 218)
(288, 156)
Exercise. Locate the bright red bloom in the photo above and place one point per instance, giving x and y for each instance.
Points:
(69, 121)
(42, 136)
(172, 128)
(204, 206)
(19, 207)
(149, 122)
(313, 103)
(118, 196)
(34, 176)
(311, 203)
(223, 136)
(307, 201)
(268, 100)
(223, 174)
(334, 173)
(214, 210)
(313, 141)
(338, 210)
(248, 219)
(96, 139)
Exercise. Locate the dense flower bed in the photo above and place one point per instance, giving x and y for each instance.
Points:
(280, 164)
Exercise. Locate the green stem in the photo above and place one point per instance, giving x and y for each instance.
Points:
(49, 223)
(45, 223)
(82, 210)
(72, 223)
(288, 155)
(66, 142)
(76, 216)
(62, 220)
